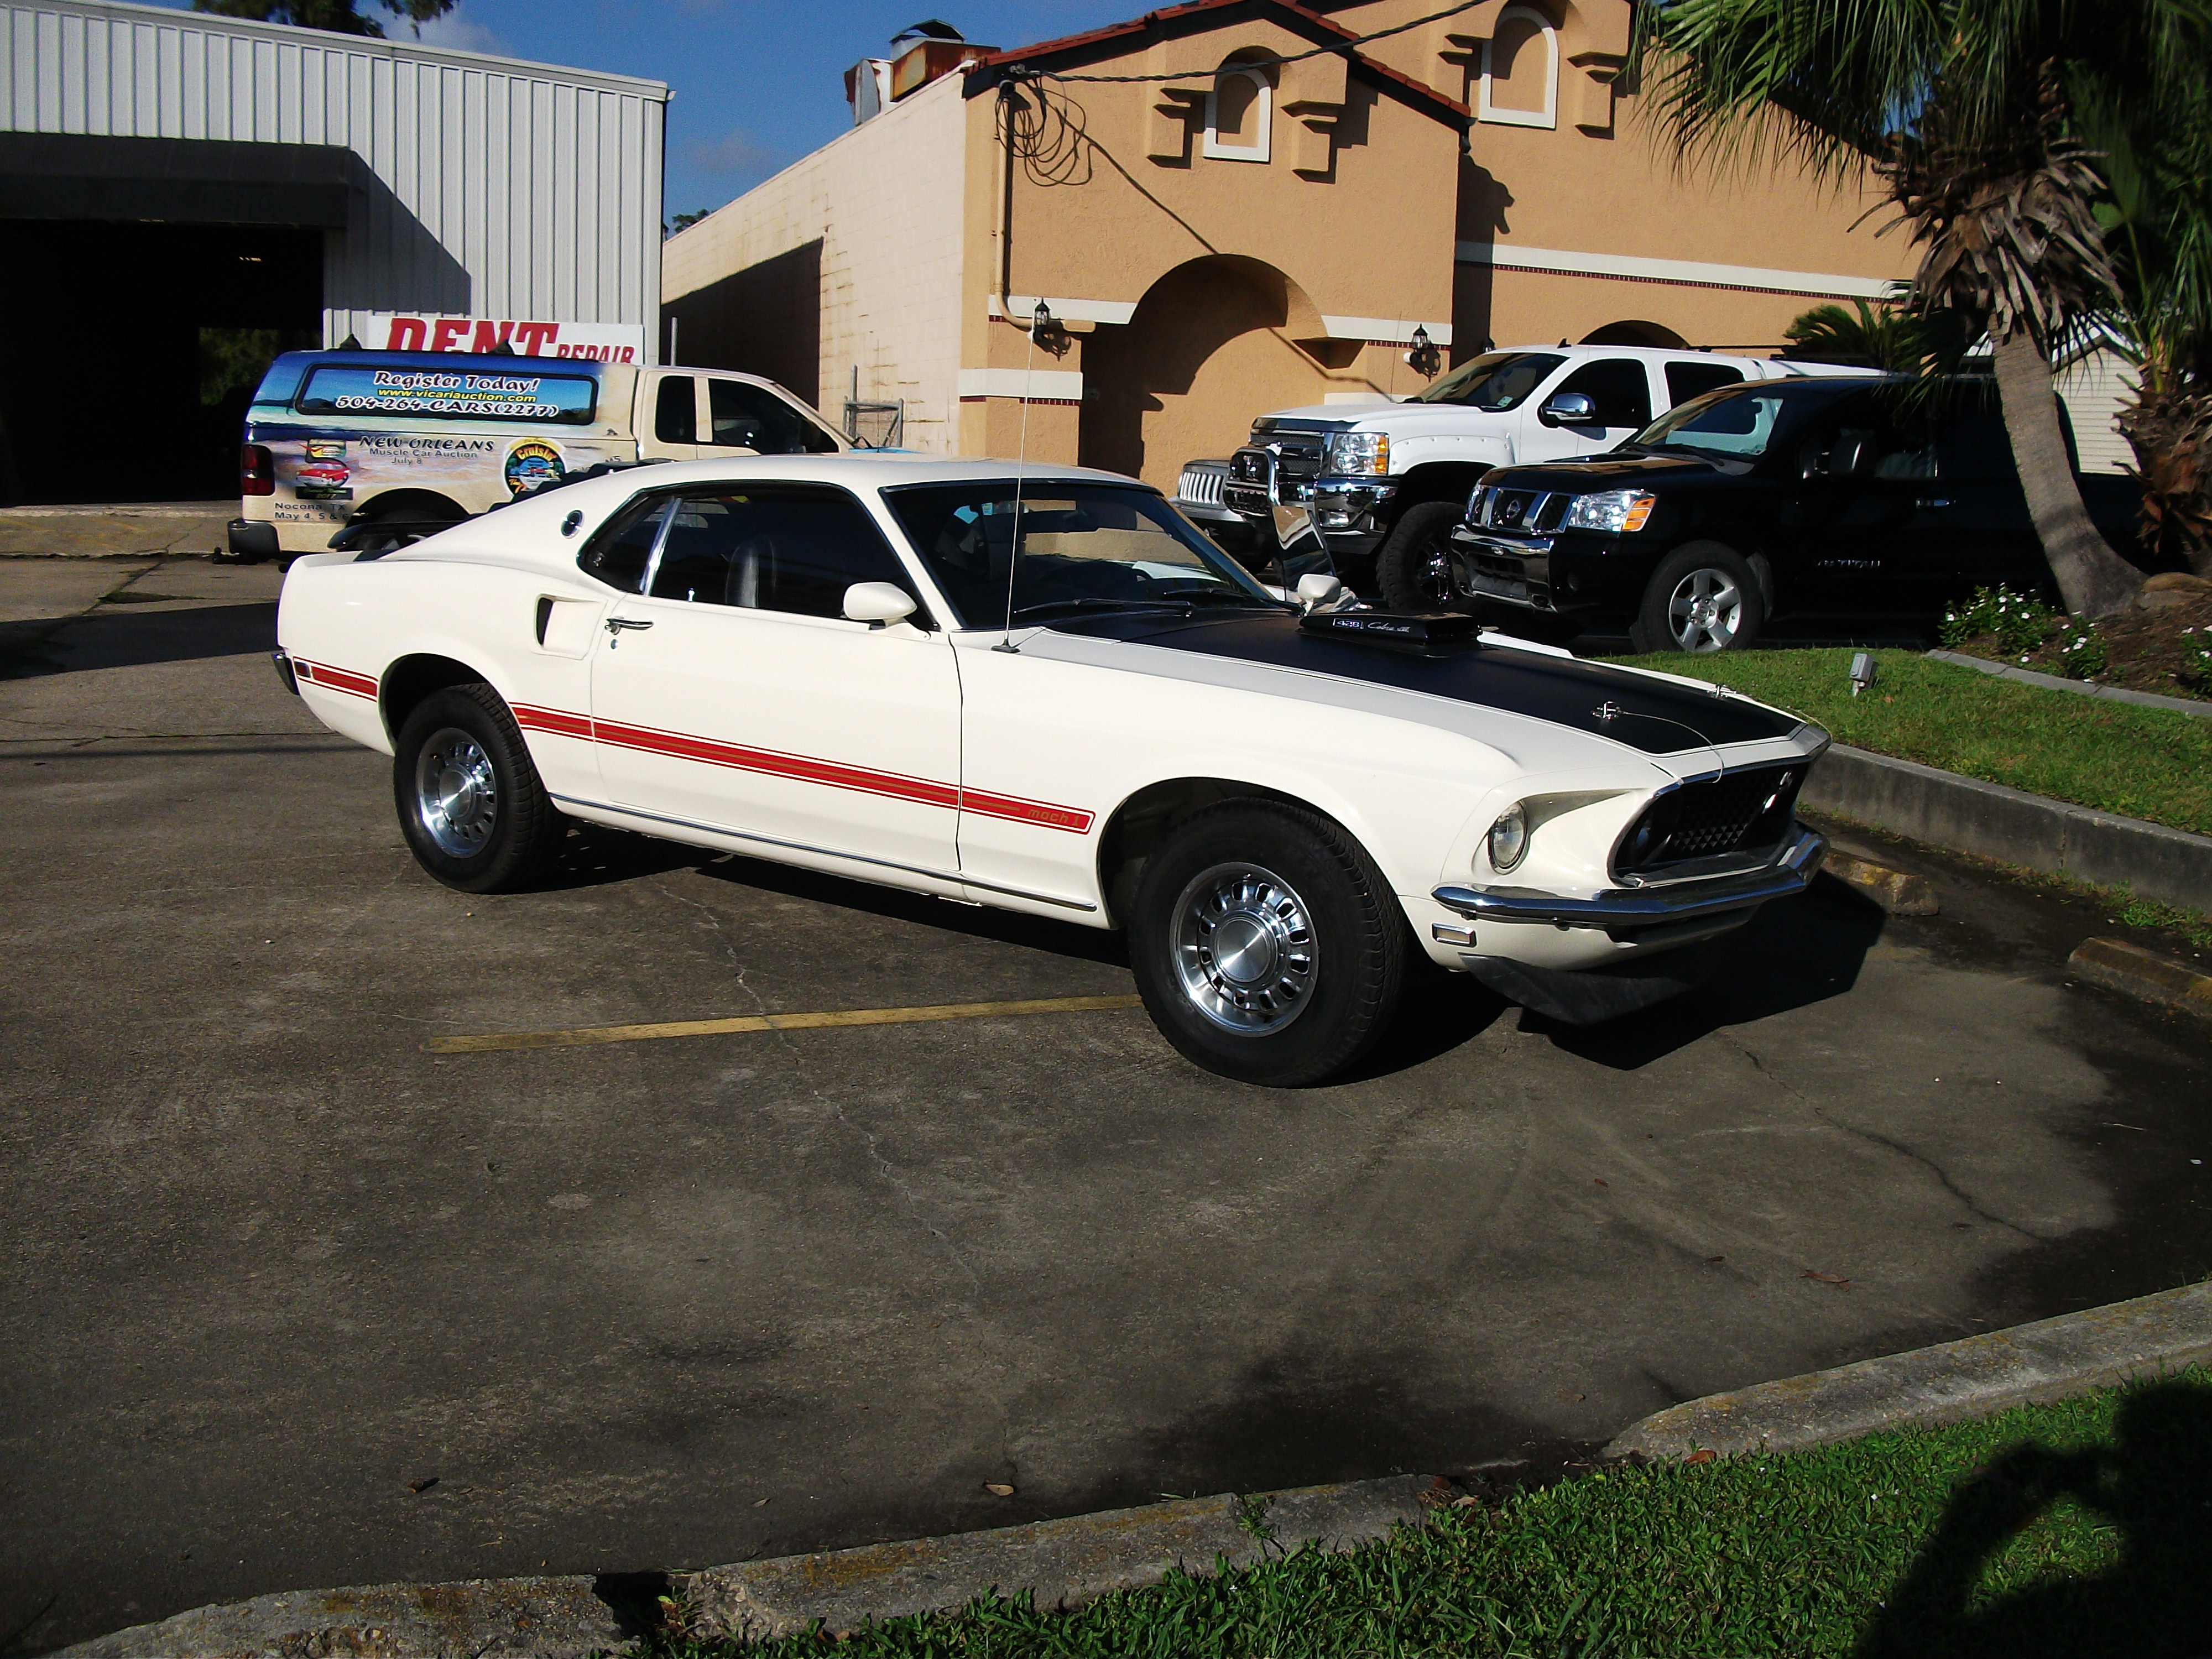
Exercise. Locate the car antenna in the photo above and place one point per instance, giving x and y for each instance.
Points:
(1040, 322)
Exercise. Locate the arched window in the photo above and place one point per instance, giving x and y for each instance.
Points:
(1520, 71)
(1239, 114)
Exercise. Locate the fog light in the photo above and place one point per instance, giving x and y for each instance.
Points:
(1509, 838)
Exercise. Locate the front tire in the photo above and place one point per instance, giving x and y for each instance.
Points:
(471, 803)
(1266, 945)
(1703, 598)
(1414, 565)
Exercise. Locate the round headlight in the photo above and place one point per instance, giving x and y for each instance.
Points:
(1509, 838)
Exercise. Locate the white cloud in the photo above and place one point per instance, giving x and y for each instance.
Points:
(459, 33)
(735, 152)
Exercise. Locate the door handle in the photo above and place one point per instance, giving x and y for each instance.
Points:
(1927, 502)
(617, 624)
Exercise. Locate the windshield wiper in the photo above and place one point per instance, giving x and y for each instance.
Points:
(1051, 607)
(1220, 596)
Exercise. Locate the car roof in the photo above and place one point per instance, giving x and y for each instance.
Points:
(868, 468)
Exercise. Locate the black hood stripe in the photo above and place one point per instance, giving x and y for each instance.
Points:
(1645, 714)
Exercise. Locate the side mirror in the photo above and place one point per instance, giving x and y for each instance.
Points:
(1318, 589)
(1568, 409)
(1849, 455)
(878, 604)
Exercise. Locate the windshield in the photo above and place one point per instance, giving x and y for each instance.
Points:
(1737, 422)
(1495, 382)
(1083, 547)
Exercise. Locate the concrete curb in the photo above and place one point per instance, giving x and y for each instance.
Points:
(2133, 971)
(1977, 1377)
(116, 531)
(2188, 705)
(1062, 1564)
(478, 1618)
(1942, 808)
(1897, 891)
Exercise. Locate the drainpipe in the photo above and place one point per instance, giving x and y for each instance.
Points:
(1002, 230)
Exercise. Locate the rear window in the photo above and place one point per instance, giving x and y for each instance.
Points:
(1688, 380)
(449, 394)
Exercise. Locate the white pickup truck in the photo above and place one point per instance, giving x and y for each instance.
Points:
(1384, 483)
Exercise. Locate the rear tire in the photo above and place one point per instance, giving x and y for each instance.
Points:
(1703, 598)
(1414, 565)
(471, 805)
(1266, 945)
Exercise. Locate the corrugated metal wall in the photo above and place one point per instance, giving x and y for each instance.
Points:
(2094, 387)
(493, 187)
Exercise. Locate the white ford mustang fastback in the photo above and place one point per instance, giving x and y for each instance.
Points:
(809, 660)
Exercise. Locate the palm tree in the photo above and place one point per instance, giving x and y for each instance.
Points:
(2157, 220)
(1962, 109)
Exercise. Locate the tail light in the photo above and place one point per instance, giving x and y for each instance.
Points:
(256, 470)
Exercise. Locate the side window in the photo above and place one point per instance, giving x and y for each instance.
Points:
(1617, 385)
(1973, 444)
(676, 415)
(1688, 380)
(752, 417)
(618, 555)
(793, 548)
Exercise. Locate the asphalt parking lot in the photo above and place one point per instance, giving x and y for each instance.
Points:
(293, 1301)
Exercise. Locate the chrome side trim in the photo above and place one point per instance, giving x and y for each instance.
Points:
(1786, 878)
(821, 852)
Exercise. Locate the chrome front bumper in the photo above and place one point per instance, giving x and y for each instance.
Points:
(1628, 912)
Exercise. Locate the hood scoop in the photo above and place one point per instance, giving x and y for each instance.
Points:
(1417, 631)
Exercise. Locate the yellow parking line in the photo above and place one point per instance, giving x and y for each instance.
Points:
(684, 1028)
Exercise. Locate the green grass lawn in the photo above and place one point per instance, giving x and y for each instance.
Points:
(2080, 1530)
(2145, 763)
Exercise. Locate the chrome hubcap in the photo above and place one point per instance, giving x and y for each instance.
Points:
(1244, 949)
(1705, 610)
(456, 793)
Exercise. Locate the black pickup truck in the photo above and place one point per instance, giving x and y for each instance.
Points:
(1839, 496)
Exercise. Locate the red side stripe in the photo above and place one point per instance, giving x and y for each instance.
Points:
(1025, 811)
(805, 769)
(337, 679)
(554, 720)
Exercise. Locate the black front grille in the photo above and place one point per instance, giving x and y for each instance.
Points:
(1739, 814)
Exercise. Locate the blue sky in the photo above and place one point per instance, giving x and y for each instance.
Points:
(759, 83)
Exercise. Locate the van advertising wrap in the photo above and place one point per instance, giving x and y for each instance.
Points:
(343, 389)
(327, 476)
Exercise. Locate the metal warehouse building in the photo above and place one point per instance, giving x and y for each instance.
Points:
(182, 195)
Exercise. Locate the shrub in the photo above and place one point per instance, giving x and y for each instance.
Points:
(2081, 652)
(2019, 622)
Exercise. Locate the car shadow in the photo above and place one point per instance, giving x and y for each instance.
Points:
(2149, 1483)
(111, 636)
(1795, 952)
(594, 855)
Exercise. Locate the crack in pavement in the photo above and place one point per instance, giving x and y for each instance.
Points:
(884, 1167)
(1927, 1163)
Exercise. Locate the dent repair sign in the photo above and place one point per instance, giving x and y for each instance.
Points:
(607, 343)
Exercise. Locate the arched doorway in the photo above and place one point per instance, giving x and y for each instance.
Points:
(1211, 344)
(1635, 334)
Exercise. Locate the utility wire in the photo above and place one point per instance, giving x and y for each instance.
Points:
(1022, 72)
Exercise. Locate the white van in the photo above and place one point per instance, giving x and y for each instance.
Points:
(407, 442)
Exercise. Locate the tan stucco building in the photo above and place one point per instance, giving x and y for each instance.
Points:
(1232, 208)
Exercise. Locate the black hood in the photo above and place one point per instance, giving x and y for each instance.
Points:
(1644, 714)
(1610, 472)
